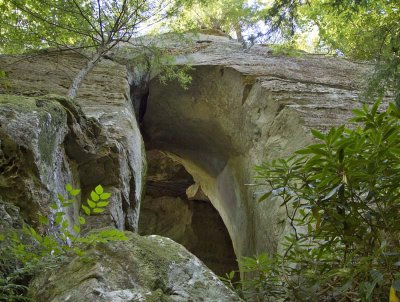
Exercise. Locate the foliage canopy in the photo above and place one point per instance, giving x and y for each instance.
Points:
(363, 30)
(95, 25)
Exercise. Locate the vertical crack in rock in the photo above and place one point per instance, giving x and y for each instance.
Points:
(138, 78)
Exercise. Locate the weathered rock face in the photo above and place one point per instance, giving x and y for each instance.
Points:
(141, 269)
(240, 109)
(34, 162)
(47, 142)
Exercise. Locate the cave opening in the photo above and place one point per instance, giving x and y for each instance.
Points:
(176, 207)
(193, 128)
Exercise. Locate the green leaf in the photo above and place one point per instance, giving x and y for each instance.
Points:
(94, 196)
(82, 220)
(75, 192)
(78, 252)
(65, 224)
(332, 192)
(76, 228)
(318, 134)
(105, 196)
(54, 206)
(91, 203)
(66, 204)
(43, 220)
(265, 196)
(102, 204)
(59, 216)
(98, 211)
(60, 197)
(86, 210)
(35, 235)
(99, 190)
(68, 187)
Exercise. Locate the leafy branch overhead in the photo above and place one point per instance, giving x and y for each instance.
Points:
(76, 25)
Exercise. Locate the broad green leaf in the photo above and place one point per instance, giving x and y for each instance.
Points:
(86, 210)
(54, 206)
(99, 190)
(94, 196)
(102, 204)
(105, 196)
(82, 220)
(75, 192)
(98, 211)
(91, 203)
(68, 187)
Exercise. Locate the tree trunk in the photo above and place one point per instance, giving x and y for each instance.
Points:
(238, 31)
(78, 79)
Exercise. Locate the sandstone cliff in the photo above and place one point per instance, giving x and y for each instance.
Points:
(242, 107)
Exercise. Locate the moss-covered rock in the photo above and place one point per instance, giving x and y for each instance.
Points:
(32, 131)
(149, 268)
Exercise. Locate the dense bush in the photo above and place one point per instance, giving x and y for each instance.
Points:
(342, 200)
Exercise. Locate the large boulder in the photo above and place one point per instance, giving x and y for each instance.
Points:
(149, 268)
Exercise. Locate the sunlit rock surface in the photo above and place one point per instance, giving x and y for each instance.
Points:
(149, 268)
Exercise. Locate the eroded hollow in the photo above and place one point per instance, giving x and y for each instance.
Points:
(207, 130)
(176, 207)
